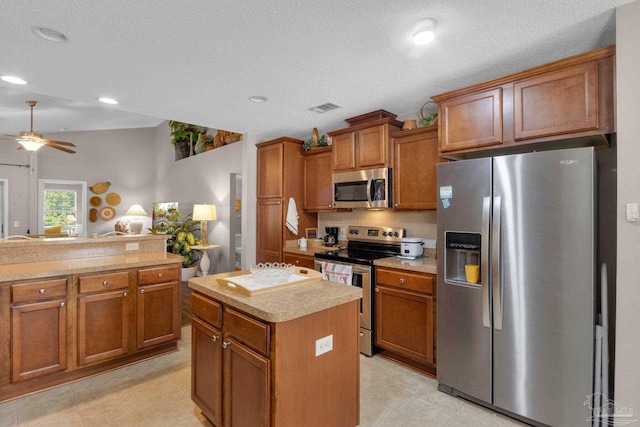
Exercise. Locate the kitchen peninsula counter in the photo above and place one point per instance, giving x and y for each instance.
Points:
(75, 307)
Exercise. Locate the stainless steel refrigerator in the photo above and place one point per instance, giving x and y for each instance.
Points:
(521, 339)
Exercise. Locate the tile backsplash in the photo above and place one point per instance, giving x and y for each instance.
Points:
(416, 223)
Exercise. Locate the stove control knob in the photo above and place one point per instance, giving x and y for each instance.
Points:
(356, 231)
(395, 234)
(384, 233)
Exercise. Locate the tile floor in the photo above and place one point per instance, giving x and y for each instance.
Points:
(156, 393)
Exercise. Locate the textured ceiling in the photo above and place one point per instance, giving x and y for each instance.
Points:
(198, 61)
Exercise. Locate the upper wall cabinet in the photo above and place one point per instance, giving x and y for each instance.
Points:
(365, 144)
(571, 100)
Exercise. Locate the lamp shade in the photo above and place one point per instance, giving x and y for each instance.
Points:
(136, 210)
(204, 213)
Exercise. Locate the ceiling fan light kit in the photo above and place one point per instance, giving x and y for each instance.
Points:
(32, 141)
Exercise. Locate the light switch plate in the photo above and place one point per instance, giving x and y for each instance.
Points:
(632, 212)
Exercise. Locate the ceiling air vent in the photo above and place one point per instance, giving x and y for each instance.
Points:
(325, 107)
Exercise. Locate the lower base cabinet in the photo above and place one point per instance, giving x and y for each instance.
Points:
(241, 377)
(405, 317)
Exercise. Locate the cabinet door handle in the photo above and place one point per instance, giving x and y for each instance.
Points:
(142, 291)
(377, 290)
(126, 294)
(62, 303)
(105, 283)
(225, 344)
(214, 338)
(41, 291)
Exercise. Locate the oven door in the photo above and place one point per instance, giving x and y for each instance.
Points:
(362, 278)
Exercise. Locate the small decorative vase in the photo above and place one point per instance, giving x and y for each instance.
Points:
(189, 272)
(185, 148)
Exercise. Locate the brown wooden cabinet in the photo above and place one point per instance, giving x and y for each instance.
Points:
(299, 260)
(158, 316)
(104, 311)
(38, 328)
(414, 170)
(405, 316)
(280, 177)
(240, 377)
(571, 100)
(363, 146)
(318, 186)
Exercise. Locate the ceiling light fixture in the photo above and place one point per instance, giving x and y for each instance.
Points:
(258, 99)
(13, 79)
(31, 141)
(108, 101)
(49, 34)
(423, 31)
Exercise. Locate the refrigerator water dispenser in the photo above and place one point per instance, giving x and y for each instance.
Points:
(461, 248)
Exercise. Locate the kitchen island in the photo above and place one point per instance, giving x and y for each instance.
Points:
(287, 357)
(74, 307)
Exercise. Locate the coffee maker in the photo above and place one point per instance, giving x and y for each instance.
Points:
(331, 236)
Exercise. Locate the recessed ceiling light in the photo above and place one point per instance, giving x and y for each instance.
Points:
(49, 34)
(424, 37)
(108, 101)
(423, 32)
(258, 99)
(14, 80)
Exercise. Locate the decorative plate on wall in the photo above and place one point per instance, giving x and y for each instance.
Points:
(107, 213)
(93, 215)
(100, 187)
(113, 199)
(95, 201)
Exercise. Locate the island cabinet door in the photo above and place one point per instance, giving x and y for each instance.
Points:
(103, 326)
(206, 369)
(158, 314)
(38, 339)
(247, 382)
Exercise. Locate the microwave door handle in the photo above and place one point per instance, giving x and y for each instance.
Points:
(370, 190)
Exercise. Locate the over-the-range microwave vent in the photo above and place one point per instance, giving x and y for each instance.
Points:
(325, 107)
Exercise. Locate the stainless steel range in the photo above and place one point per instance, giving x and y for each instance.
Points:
(364, 246)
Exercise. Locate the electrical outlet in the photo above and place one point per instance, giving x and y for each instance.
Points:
(132, 246)
(324, 345)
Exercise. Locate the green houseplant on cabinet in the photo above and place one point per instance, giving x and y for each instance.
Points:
(184, 136)
(181, 230)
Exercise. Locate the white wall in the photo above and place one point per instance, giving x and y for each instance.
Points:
(201, 179)
(627, 360)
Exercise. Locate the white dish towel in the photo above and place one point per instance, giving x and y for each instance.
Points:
(339, 273)
(292, 216)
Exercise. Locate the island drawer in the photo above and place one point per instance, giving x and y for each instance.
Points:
(103, 282)
(149, 276)
(39, 291)
(405, 279)
(251, 332)
(206, 309)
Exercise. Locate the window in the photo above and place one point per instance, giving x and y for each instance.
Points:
(62, 207)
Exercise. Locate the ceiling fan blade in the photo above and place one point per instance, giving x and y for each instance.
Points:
(8, 136)
(51, 141)
(66, 150)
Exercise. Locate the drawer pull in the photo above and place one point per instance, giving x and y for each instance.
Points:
(214, 338)
(61, 303)
(377, 290)
(225, 344)
(401, 280)
(105, 283)
(142, 291)
(126, 294)
(297, 261)
(41, 291)
(160, 275)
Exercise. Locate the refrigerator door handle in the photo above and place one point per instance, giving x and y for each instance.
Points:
(496, 281)
(484, 261)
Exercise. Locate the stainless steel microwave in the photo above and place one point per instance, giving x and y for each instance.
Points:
(366, 189)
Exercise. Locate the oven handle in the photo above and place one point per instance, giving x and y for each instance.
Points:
(356, 268)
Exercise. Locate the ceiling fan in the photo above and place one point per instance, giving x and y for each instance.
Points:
(32, 141)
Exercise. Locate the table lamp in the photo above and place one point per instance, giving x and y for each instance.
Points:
(135, 223)
(204, 213)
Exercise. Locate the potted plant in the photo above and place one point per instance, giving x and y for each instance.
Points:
(184, 136)
(182, 239)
